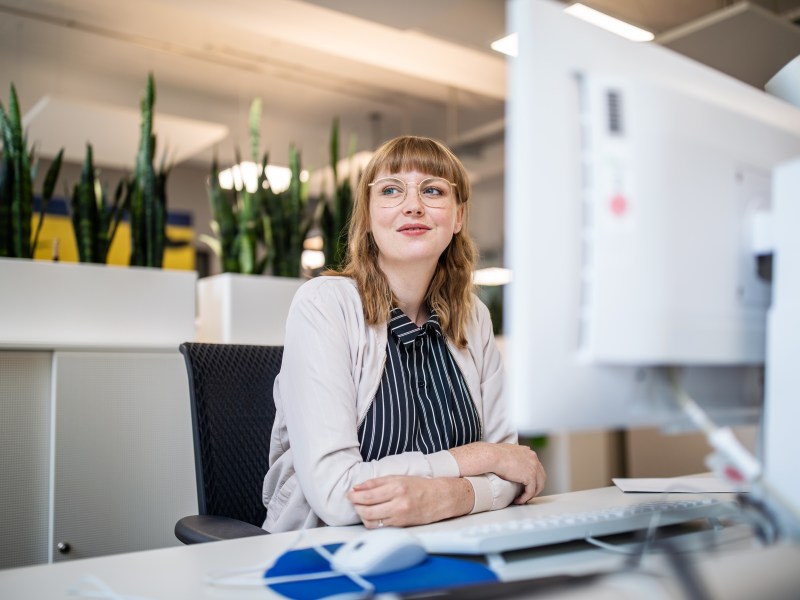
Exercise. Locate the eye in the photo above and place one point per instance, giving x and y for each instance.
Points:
(435, 189)
(432, 190)
(388, 187)
(391, 190)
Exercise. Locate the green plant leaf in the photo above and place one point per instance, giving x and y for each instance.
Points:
(47, 194)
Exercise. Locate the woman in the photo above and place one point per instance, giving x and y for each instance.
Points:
(388, 405)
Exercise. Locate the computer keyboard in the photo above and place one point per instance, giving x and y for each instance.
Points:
(488, 538)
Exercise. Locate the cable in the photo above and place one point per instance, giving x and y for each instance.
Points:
(228, 581)
(708, 540)
(740, 467)
(355, 577)
(735, 464)
(230, 577)
(223, 578)
(685, 572)
(91, 586)
(610, 547)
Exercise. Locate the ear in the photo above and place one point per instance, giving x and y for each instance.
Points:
(459, 218)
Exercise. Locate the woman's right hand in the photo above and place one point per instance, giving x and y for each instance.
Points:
(512, 462)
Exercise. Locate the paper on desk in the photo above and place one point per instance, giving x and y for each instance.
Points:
(687, 485)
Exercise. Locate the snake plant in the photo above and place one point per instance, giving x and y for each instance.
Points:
(95, 224)
(240, 224)
(148, 192)
(259, 229)
(290, 221)
(334, 213)
(17, 173)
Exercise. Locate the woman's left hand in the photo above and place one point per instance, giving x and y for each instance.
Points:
(512, 462)
(403, 500)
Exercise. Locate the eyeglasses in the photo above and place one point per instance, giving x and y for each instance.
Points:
(435, 192)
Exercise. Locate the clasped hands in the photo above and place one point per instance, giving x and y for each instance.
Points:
(403, 500)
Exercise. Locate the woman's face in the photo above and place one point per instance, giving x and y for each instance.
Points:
(419, 228)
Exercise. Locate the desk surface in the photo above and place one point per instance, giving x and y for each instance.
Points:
(738, 569)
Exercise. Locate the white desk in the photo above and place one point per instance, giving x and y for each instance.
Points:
(737, 569)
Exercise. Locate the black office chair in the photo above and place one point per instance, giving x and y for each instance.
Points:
(230, 387)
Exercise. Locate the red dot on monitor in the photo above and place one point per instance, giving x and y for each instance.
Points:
(618, 205)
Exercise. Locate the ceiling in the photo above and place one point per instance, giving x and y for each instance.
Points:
(381, 67)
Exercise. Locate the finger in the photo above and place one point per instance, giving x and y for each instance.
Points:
(370, 497)
(375, 516)
(534, 487)
(372, 524)
(365, 485)
(527, 493)
(541, 480)
(373, 483)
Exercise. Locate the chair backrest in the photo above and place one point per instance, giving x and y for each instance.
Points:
(233, 410)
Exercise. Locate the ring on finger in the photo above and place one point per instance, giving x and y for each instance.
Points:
(380, 522)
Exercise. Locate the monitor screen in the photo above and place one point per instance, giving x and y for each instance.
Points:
(635, 183)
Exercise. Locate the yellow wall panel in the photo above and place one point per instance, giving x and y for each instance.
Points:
(57, 230)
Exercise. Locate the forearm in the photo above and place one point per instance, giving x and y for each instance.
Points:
(459, 497)
(474, 459)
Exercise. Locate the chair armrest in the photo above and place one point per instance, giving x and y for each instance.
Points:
(197, 529)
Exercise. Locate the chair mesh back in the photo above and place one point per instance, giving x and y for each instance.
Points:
(232, 414)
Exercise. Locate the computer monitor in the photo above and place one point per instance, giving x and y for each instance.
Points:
(635, 183)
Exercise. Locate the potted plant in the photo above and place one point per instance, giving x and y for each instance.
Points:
(257, 230)
(51, 304)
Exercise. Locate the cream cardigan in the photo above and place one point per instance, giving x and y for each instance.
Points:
(332, 367)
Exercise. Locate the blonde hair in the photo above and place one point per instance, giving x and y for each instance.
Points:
(450, 289)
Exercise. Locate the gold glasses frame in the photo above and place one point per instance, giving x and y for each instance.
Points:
(389, 202)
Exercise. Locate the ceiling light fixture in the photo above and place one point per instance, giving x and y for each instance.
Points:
(595, 17)
(312, 259)
(245, 176)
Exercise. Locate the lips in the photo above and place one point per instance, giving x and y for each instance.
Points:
(414, 228)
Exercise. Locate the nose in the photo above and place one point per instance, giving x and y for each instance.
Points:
(412, 203)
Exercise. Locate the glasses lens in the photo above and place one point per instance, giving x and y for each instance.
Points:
(436, 191)
(388, 191)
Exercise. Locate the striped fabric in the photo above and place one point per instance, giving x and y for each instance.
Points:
(422, 403)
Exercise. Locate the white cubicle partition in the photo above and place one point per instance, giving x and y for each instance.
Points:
(95, 429)
(123, 463)
(24, 457)
(96, 452)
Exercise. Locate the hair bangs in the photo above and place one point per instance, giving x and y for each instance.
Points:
(412, 153)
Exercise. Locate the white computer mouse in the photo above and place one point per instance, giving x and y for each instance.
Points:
(379, 551)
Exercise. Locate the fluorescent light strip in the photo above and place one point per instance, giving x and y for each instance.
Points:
(595, 17)
(510, 44)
